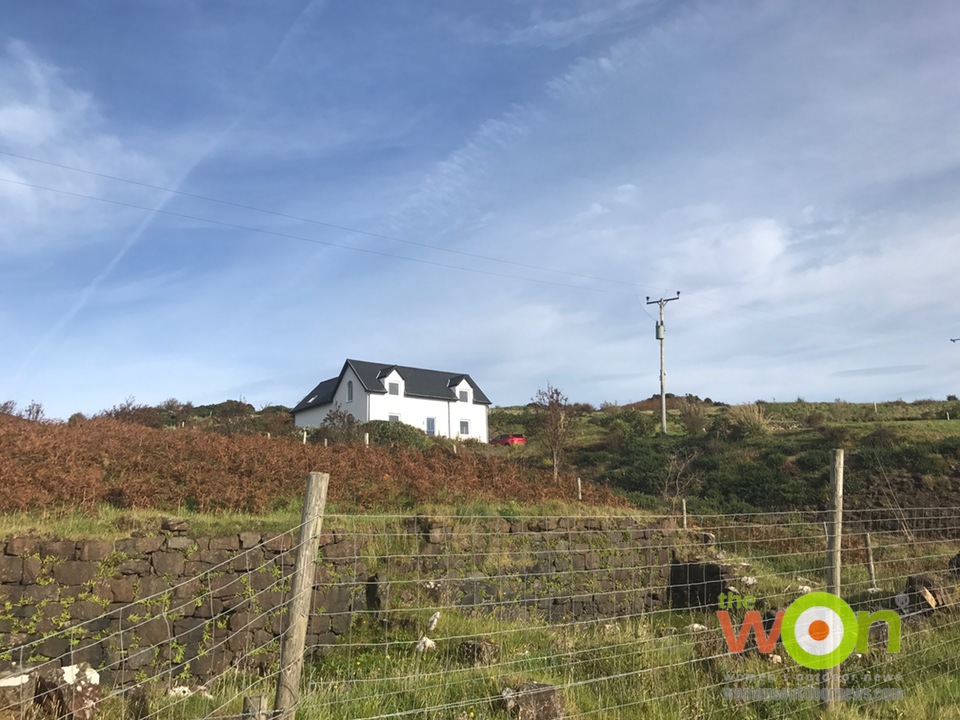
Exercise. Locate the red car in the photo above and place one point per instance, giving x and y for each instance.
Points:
(509, 440)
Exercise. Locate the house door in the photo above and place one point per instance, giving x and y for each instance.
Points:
(431, 426)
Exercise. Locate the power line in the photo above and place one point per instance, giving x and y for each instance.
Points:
(705, 296)
(327, 243)
(312, 221)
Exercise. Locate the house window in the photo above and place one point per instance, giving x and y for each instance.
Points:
(349, 390)
(464, 427)
(394, 388)
(431, 426)
(393, 418)
(463, 396)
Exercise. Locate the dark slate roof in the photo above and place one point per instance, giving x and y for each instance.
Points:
(432, 384)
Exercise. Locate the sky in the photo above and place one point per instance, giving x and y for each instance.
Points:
(223, 200)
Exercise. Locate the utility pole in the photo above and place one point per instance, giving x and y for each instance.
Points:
(663, 373)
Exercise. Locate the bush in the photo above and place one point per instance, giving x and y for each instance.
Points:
(883, 437)
(693, 415)
(339, 426)
(746, 421)
(836, 435)
(396, 434)
(626, 429)
(815, 420)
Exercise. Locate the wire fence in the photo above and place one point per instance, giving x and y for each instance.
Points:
(468, 616)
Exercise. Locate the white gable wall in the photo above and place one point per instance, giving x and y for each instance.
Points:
(314, 417)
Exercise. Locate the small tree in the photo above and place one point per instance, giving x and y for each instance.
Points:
(32, 412)
(553, 423)
(339, 426)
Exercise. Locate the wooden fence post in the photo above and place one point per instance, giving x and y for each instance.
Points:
(301, 597)
(830, 678)
(255, 708)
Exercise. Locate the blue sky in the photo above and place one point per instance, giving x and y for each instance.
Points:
(491, 188)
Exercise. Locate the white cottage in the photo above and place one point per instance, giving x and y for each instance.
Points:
(439, 403)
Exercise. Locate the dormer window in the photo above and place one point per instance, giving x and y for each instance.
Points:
(393, 388)
(349, 390)
(463, 396)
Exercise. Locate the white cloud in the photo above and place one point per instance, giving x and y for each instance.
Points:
(42, 116)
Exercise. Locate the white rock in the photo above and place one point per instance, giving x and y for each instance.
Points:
(432, 622)
(14, 680)
(696, 627)
(804, 589)
(748, 580)
(775, 659)
(180, 691)
(426, 644)
(82, 673)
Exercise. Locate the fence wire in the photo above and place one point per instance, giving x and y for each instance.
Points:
(453, 616)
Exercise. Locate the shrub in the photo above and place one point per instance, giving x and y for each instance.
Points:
(339, 426)
(836, 435)
(396, 434)
(747, 421)
(815, 420)
(693, 415)
(883, 437)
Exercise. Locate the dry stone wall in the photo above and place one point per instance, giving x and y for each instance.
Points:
(169, 605)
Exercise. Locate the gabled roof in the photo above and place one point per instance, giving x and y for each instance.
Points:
(431, 384)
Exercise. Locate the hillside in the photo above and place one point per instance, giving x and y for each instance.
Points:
(765, 456)
(91, 462)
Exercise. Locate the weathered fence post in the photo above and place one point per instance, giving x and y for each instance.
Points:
(579, 490)
(301, 597)
(255, 708)
(830, 678)
(684, 503)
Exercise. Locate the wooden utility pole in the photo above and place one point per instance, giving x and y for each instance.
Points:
(830, 678)
(301, 597)
(663, 373)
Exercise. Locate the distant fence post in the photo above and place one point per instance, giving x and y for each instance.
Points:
(830, 678)
(684, 502)
(298, 612)
(366, 438)
(870, 568)
(579, 490)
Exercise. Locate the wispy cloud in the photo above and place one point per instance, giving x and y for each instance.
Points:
(792, 169)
